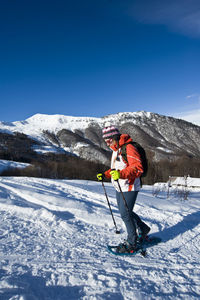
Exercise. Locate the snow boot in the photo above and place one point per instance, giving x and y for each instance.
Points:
(126, 247)
(142, 235)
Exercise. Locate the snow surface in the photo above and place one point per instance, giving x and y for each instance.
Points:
(8, 164)
(35, 125)
(164, 149)
(53, 236)
(189, 181)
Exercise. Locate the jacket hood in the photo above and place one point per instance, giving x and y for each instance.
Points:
(124, 139)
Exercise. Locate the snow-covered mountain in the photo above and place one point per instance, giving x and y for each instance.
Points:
(53, 236)
(165, 137)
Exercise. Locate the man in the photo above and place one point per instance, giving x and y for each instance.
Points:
(125, 177)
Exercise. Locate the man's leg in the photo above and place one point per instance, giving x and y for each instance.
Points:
(127, 215)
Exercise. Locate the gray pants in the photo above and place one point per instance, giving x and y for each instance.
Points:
(131, 220)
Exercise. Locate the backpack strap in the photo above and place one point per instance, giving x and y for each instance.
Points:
(123, 151)
(124, 155)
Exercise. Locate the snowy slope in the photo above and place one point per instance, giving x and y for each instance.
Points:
(53, 235)
(8, 164)
(35, 125)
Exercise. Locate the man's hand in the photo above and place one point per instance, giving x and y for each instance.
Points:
(115, 174)
(100, 176)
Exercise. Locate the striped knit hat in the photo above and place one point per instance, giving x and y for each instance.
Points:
(109, 132)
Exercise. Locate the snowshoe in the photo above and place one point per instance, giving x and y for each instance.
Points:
(125, 247)
(140, 247)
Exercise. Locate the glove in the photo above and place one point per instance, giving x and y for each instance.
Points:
(115, 174)
(100, 176)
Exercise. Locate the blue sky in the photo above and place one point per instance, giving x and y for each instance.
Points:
(98, 57)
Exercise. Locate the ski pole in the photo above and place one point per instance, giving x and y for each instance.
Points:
(116, 231)
(120, 189)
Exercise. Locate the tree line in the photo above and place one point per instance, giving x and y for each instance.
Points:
(62, 166)
(161, 170)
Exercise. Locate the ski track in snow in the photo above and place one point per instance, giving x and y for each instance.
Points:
(53, 235)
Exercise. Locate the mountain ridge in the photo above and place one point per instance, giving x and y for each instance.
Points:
(165, 136)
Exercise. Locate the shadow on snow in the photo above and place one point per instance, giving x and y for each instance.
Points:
(188, 223)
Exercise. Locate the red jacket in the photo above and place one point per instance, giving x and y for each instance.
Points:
(130, 170)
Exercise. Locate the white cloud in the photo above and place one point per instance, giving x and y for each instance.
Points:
(193, 97)
(190, 96)
(181, 16)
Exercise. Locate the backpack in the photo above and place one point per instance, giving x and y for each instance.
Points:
(142, 154)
